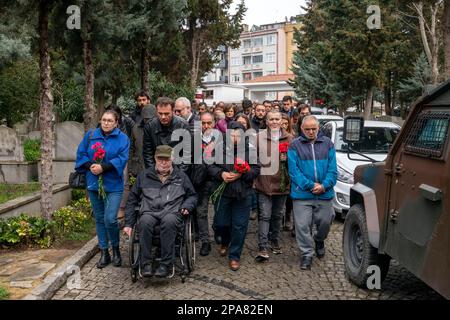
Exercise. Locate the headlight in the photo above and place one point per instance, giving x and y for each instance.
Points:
(344, 176)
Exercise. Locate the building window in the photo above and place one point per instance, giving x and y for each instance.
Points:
(271, 39)
(257, 42)
(270, 57)
(270, 72)
(257, 59)
(247, 60)
(247, 76)
(246, 44)
(235, 61)
(257, 74)
(208, 94)
(271, 95)
(235, 78)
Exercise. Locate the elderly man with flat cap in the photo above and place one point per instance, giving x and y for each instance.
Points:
(164, 194)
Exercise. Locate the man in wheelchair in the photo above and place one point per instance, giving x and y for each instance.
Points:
(164, 194)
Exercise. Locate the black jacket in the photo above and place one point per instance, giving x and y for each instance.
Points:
(240, 188)
(157, 198)
(156, 134)
(258, 124)
(136, 115)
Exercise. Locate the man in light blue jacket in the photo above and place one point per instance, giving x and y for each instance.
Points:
(313, 172)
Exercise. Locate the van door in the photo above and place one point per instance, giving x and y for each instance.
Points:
(418, 226)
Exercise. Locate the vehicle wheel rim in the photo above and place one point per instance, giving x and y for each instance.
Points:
(357, 245)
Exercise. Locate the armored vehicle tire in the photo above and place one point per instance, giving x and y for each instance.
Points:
(359, 254)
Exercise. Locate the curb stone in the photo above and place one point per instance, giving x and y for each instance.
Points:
(58, 278)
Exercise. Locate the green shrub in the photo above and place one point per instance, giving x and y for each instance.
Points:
(4, 294)
(72, 222)
(73, 218)
(27, 230)
(32, 149)
(78, 194)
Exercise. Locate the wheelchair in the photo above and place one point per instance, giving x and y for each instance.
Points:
(184, 250)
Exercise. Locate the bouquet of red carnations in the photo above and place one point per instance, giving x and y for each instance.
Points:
(283, 149)
(99, 155)
(240, 166)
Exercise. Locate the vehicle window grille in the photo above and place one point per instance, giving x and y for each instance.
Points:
(429, 134)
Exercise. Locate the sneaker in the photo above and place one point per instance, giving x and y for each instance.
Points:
(205, 249)
(263, 255)
(320, 249)
(276, 249)
(305, 263)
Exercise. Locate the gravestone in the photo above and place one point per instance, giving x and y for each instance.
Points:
(67, 138)
(10, 148)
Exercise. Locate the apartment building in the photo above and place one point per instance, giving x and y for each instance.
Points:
(261, 64)
(265, 54)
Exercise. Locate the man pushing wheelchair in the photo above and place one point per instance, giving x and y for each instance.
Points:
(164, 195)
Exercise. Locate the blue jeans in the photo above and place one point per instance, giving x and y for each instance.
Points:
(231, 223)
(105, 213)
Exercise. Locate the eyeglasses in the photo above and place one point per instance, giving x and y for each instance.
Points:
(108, 121)
(310, 129)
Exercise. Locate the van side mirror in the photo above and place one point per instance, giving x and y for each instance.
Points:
(353, 129)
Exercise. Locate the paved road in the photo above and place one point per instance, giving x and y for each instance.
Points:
(279, 278)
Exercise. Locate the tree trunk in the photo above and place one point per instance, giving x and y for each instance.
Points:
(101, 103)
(115, 96)
(388, 99)
(446, 33)
(194, 61)
(433, 52)
(45, 113)
(90, 117)
(145, 67)
(368, 105)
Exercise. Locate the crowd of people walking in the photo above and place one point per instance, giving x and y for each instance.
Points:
(275, 166)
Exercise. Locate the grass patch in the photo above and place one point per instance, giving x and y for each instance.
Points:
(11, 191)
(4, 293)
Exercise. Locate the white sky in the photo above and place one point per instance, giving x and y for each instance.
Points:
(269, 11)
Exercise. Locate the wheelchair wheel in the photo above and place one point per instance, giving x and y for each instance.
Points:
(133, 250)
(189, 237)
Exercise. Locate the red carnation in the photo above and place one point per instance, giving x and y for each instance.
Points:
(283, 147)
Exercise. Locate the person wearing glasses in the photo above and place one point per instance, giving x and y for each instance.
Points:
(116, 145)
(183, 109)
(313, 172)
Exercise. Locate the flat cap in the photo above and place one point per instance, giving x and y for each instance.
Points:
(163, 151)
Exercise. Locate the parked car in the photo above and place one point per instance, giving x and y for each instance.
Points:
(324, 118)
(377, 138)
(400, 208)
(317, 111)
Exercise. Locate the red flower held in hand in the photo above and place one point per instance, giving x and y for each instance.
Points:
(283, 147)
(99, 155)
(96, 146)
(241, 166)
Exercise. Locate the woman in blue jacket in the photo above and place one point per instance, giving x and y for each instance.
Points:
(116, 145)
